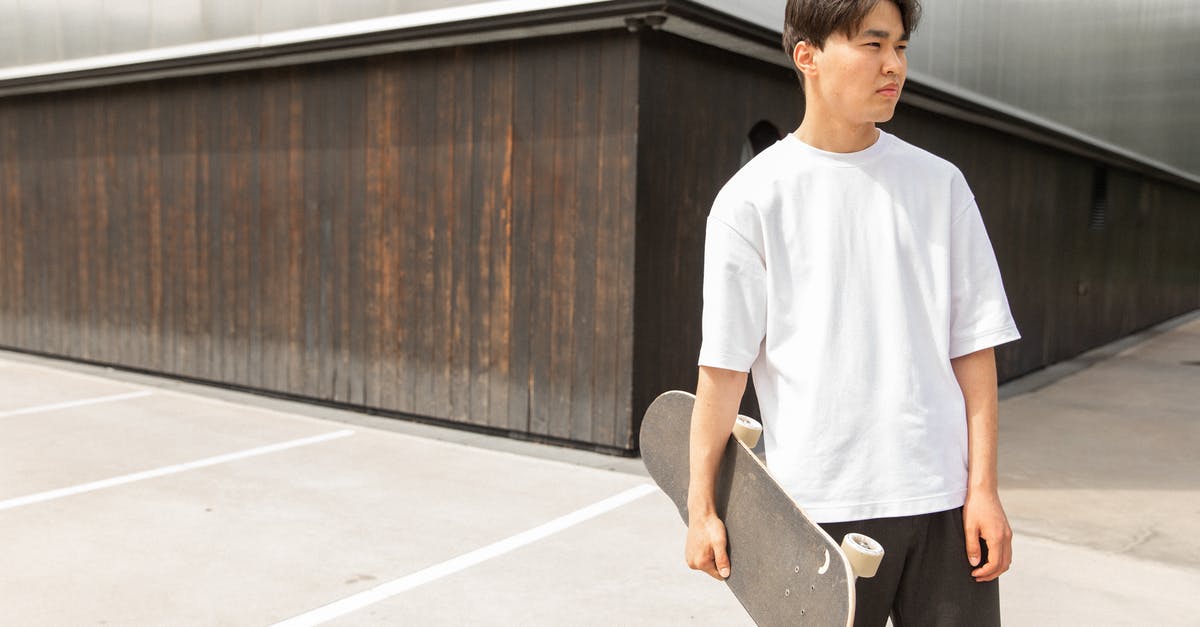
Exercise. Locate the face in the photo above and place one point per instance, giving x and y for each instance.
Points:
(859, 78)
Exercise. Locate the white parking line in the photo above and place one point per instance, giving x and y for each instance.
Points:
(462, 562)
(169, 470)
(79, 403)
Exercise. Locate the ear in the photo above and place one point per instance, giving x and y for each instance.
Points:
(804, 56)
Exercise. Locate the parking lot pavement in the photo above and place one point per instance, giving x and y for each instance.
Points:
(127, 499)
(168, 507)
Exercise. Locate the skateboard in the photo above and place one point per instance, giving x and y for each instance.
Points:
(785, 570)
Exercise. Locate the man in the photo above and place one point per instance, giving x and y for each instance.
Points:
(850, 272)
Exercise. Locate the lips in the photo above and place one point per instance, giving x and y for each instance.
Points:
(889, 90)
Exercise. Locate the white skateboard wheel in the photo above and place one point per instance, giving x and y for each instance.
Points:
(747, 431)
(863, 553)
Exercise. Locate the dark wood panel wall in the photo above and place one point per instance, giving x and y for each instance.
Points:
(698, 104)
(447, 233)
(1071, 287)
(508, 236)
(1074, 282)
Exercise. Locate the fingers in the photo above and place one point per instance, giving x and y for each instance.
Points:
(704, 563)
(974, 554)
(999, 557)
(714, 562)
(706, 550)
(722, 559)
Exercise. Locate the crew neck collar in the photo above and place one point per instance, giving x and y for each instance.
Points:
(843, 159)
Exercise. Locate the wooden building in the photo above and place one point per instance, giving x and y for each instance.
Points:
(504, 234)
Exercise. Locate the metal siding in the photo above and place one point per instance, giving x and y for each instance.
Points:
(126, 25)
(179, 22)
(79, 32)
(768, 13)
(10, 33)
(1112, 70)
(224, 20)
(37, 32)
(1119, 72)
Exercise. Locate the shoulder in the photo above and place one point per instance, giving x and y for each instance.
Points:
(752, 190)
(923, 161)
(925, 168)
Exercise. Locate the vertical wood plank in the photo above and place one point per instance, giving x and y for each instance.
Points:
(562, 268)
(609, 282)
(272, 197)
(425, 230)
(12, 237)
(583, 229)
(499, 370)
(376, 239)
(462, 211)
(443, 238)
(626, 253)
(357, 234)
(299, 331)
(543, 181)
(521, 244)
(483, 184)
(406, 159)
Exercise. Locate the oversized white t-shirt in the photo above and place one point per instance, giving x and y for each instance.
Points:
(845, 283)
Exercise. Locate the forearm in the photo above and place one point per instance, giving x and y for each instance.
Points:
(718, 395)
(976, 374)
(984, 520)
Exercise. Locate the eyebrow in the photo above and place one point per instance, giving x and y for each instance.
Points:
(882, 34)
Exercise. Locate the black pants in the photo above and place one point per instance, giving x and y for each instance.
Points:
(925, 578)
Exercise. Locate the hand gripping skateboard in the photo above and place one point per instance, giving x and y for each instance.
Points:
(785, 570)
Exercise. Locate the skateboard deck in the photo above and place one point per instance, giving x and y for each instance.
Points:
(785, 570)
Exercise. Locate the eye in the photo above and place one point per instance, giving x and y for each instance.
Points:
(874, 43)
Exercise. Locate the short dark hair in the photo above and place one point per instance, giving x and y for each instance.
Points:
(815, 20)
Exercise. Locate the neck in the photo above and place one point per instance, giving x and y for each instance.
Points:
(827, 132)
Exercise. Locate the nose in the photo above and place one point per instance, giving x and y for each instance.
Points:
(894, 63)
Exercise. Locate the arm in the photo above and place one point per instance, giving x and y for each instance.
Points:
(983, 516)
(718, 394)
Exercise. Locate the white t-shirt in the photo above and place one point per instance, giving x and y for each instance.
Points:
(845, 283)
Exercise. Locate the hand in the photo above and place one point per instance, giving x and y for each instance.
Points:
(983, 517)
(706, 546)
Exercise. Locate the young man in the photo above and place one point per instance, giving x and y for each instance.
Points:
(850, 272)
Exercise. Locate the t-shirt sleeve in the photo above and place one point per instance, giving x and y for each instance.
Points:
(979, 313)
(734, 320)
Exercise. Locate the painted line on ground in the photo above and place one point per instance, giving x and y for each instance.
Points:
(467, 560)
(169, 470)
(79, 403)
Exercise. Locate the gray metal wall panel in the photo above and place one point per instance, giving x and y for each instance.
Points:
(224, 20)
(126, 25)
(81, 31)
(181, 21)
(38, 32)
(10, 33)
(1120, 71)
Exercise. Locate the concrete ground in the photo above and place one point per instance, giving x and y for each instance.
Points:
(134, 500)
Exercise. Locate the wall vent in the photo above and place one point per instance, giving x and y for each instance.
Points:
(1099, 199)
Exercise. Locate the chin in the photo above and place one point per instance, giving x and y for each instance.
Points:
(885, 116)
